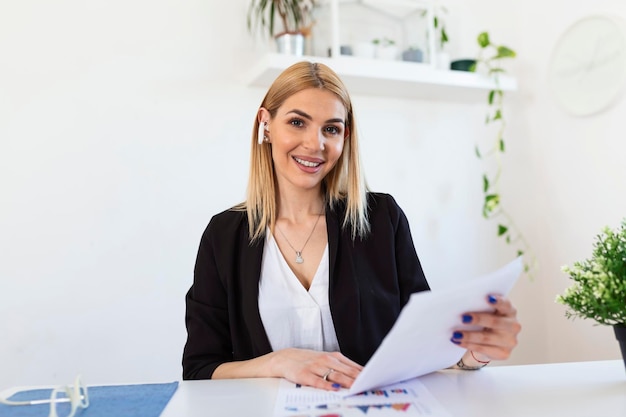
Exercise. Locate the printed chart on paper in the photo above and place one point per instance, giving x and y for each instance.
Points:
(404, 399)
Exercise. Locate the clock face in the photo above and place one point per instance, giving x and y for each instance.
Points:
(588, 67)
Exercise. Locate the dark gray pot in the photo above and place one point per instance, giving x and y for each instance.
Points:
(413, 55)
(620, 335)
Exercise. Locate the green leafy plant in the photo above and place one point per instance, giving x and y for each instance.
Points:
(489, 60)
(383, 42)
(440, 27)
(295, 15)
(599, 289)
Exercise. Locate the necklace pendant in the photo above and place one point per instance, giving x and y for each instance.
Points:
(299, 259)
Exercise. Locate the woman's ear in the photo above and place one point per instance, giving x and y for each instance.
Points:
(263, 115)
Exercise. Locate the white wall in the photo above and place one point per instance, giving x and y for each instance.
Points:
(578, 182)
(124, 125)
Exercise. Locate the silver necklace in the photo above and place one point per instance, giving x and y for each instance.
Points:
(299, 259)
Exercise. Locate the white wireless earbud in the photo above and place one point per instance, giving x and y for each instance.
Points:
(262, 129)
(261, 134)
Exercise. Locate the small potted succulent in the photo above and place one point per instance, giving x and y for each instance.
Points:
(599, 289)
(296, 22)
(385, 48)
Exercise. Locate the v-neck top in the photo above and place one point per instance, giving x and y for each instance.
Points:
(292, 316)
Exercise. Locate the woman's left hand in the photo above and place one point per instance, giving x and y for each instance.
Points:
(498, 336)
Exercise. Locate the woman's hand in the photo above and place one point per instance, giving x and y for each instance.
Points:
(498, 336)
(309, 367)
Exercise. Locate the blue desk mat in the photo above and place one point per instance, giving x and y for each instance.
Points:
(146, 400)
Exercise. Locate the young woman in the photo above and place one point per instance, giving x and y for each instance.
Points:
(306, 277)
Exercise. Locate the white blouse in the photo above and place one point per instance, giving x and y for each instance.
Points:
(291, 315)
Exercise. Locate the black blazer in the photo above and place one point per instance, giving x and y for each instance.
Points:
(370, 281)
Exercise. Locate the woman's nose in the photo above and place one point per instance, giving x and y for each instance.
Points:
(315, 140)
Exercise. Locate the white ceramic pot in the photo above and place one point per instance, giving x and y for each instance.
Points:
(442, 60)
(388, 52)
(290, 43)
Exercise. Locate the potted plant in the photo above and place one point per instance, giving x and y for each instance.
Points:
(599, 289)
(412, 54)
(295, 17)
(385, 48)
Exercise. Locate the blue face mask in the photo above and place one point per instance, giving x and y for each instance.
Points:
(76, 395)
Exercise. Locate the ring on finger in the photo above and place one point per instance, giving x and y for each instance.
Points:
(325, 376)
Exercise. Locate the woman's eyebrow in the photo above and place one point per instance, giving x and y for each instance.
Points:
(308, 117)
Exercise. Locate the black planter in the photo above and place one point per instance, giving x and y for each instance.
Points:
(620, 335)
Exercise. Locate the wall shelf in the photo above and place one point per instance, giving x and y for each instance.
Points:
(388, 78)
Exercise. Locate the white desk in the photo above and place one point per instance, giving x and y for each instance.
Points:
(582, 389)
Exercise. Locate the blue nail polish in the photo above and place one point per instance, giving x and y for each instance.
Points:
(456, 342)
(467, 318)
(336, 385)
(492, 299)
(457, 335)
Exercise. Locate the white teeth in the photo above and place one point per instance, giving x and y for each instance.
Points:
(307, 163)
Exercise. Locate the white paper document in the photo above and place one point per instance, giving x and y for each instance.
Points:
(405, 399)
(419, 342)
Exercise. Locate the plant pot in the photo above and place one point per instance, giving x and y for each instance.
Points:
(387, 52)
(442, 60)
(463, 64)
(620, 335)
(412, 55)
(290, 43)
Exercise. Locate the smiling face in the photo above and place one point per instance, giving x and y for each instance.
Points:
(307, 137)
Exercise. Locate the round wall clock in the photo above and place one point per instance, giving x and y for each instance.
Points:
(587, 71)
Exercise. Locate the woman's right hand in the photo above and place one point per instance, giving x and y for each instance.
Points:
(308, 367)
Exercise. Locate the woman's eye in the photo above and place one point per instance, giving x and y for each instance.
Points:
(296, 122)
(333, 130)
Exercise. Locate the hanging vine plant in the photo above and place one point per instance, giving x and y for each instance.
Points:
(441, 35)
(490, 59)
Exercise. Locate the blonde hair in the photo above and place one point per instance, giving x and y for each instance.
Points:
(345, 182)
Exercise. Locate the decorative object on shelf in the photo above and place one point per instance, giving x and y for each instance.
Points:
(386, 49)
(345, 50)
(587, 71)
(412, 54)
(407, 22)
(599, 289)
(296, 17)
(463, 65)
(489, 60)
(290, 43)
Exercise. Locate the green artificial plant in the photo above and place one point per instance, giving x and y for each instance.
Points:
(599, 288)
(383, 42)
(490, 60)
(439, 26)
(295, 15)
